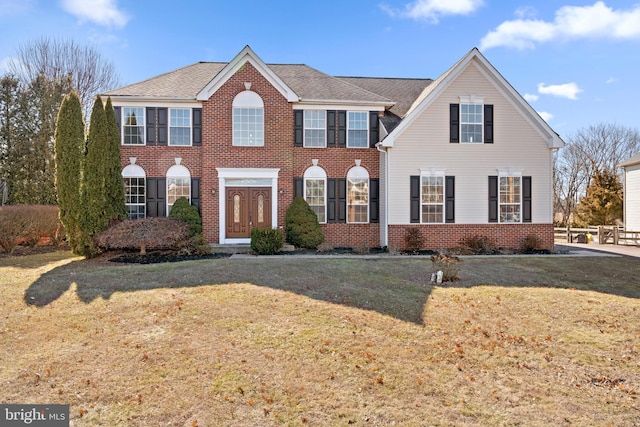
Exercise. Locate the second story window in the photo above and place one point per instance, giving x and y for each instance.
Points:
(471, 123)
(357, 129)
(248, 119)
(133, 129)
(315, 125)
(179, 126)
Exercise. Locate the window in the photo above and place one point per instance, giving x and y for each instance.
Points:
(315, 184)
(509, 198)
(134, 191)
(133, 129)
(179, 126)
(357, 129)
(358, 195)
(248, 119)
(432, 199)
(178, 185)
(471, 123)
(315, 124)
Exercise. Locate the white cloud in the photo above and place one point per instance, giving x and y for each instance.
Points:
(432, 10)
(567, 90)
(611, 80)
(526, 12)
(545, 116)
(596, 21)
(101, 12)
(530, 97)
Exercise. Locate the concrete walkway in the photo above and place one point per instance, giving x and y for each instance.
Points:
(594, 249)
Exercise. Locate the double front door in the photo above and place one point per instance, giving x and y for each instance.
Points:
(247, 208)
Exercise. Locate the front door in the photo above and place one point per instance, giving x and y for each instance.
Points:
(247, 208)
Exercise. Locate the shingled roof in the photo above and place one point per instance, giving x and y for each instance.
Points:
(308, 83)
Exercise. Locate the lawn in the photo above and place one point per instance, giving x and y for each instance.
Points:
(531, 341)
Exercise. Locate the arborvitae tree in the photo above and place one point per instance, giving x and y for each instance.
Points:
(602, 203)
(94, 218)
(301, 224)
(114, 184)
(69, 154)
(185, 211)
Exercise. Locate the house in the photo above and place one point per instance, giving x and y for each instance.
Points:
(631, 198)
(457, 156)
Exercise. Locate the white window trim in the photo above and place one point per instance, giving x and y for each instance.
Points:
(429, 173)
(175, 172)
(250, 100)
(358, 172)
(124, 125)
(190, 111)
(134, 171)
(316, 173)
(304, 129)
(367, 128)
(472, 100)
(509, 173)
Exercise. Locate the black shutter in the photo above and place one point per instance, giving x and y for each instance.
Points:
(298, 128)
(414, 196)
(195, 192)
(450, 199)
(526, 199)
(331, 200)
(196, 128)
(493, 199)
(163, 121)
(342, 129)
(454, 122)
(156, 197)
(298, 187)
(117, 112)
(151, 126)
(331, 128)
(373, 128)
(341, 191)
(374, 200)
(488, 124)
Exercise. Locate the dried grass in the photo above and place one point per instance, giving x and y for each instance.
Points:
(280, 341)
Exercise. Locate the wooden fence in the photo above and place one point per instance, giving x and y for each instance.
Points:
(605, 234)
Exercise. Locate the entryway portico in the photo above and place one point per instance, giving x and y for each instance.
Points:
(248, 198)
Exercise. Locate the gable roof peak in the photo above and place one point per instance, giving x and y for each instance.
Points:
(246, 55)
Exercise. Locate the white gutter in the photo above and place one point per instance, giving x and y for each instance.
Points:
(386, 193)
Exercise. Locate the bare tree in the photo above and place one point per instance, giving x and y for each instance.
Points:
(58, 60)
(596, 149)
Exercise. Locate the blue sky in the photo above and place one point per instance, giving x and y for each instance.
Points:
(576, 62)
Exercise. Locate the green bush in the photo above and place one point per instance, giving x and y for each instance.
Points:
(266, 241)
(301, 225)
(185, 211)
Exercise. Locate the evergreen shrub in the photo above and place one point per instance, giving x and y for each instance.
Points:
(266, 241)
(188, 213)
(301, 225)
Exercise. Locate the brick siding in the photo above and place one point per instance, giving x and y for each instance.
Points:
(444, 236)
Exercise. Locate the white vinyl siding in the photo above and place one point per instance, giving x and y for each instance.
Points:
(632, 198)
(425, 144)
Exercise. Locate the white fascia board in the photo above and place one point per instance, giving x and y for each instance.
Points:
(155, 102)
(246, 55)
(317, 104)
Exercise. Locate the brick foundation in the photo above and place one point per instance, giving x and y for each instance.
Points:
(443, 236)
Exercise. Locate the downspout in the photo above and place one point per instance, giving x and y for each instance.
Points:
(386, 193)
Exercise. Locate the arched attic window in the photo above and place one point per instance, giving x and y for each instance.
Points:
(248, 119)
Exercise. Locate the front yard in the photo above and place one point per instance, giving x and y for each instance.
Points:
(544, 340)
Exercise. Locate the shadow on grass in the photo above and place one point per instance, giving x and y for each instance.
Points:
(396, 287)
